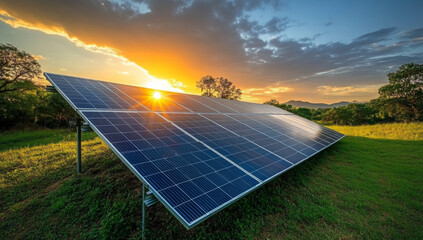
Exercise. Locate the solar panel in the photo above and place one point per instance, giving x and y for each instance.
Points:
(195, 154)
(189, 177)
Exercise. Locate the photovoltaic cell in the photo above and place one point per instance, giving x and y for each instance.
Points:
(251, 157)
(196, 154)
(211, 103)
(250, 130)
(145, 97)
(89, 94)
(182, 171)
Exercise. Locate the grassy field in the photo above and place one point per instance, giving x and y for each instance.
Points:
(403, 131)
(360, 187)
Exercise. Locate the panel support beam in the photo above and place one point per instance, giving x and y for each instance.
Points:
(144, 208)
(78, 145)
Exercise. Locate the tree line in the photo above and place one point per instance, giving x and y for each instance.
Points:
(401, 100)
(22, 101)
(25, 103)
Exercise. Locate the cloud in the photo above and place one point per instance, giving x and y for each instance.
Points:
(255, 94)
(412, 34)
(185, 40)
(346, 91)
(39, 57)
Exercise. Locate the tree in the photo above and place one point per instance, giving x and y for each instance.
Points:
(207, 86)
(304, 112)
(218, 87)
(226, 90)
(403, 95)
(273, 102)
(17, 69)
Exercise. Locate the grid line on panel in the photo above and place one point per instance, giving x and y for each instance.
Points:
(114, 85)
(179, 216)
(308, 127)
(279, 127)
(285, 132)
(86, 94)
(324, 137)
(311, 125)
(247, 107)
(180, 105)
(209, 147)
(193, 98)
(76, 90)
(229, 105)
(124, 127)
(189, 102)
(104, 95)
(245, 138)
(238, 149)
(241, 122)
(253, 135)
(301, 149)
(94, 101)
(61, 92)
(265, 166)
(216, 103)
(139, 94)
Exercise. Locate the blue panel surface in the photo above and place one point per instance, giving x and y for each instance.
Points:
(181, 170)
(84, 93)
(253, 158)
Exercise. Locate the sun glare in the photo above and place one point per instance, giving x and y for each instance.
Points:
(157, 95)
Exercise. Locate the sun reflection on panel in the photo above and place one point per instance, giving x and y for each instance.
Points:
(157, 95)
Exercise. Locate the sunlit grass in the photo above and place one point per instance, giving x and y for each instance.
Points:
(401, 131)
(360, 188)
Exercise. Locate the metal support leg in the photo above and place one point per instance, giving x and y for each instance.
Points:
(143, 211)
(78, 136)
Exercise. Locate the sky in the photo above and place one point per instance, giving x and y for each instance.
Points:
(318, 51)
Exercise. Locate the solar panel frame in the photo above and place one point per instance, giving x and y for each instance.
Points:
(141, 178)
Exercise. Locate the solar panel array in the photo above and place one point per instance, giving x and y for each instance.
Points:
(196, 154)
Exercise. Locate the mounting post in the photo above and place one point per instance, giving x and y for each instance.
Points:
(78, 140)
(143, 210)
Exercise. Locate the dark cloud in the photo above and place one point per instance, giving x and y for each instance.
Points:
(185, 40)
(375, 37)
(275, 25)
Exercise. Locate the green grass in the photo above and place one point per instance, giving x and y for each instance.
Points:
(358, 188)
(404, 131)
(11, 140)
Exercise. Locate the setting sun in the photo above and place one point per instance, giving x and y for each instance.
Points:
(157, 95)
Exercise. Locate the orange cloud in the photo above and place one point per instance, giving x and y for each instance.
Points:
(346, 91)
(159, 43)
(263, 94)
(152, 82)
(38, 57)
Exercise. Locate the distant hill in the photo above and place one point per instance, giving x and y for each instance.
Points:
(316, 105)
